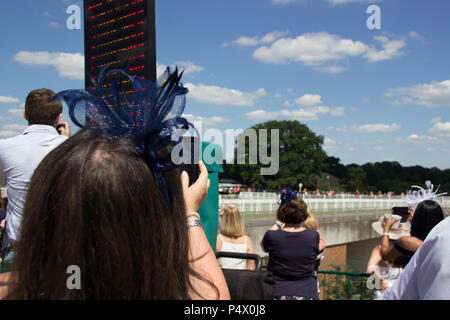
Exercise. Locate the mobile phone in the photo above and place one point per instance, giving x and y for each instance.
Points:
(402, 212)
(59, 126)
(193, 171)
(191, 147)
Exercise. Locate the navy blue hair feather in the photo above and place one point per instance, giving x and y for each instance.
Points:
(148, 113)
(287, 195)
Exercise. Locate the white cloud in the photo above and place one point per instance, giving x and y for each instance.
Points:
(270, 37)
(318, 48)
(223, 96)
(330, 69)
(11, 130)
(305, 114)
(338, 2)
(246, 41)
(434, 94)
(309, 100)
(329, 144)
(160, 69)
(287, 104)
(14, 127)
(16, 112)
(291, 91)
(8, 99)
(209, 122)
(339, 129)
(54, 25)
(440, 129)
(68, 65)
(282, 2)
(414, 34)
(390, 49)
(434, 120)
(261, 115)
(7, 133)
(310, 48)
(189, 67)
(338, 111)
(302, 114)
(417, 139)
(377, 128)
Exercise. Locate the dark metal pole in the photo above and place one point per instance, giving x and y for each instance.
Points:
(151, 40)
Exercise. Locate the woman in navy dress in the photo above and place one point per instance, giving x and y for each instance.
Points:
(292, 251)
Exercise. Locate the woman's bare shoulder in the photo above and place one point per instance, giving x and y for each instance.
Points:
(411, 243)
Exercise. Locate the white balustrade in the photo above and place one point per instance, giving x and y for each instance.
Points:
(265, 204)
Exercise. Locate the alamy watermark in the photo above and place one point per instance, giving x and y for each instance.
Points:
(374, 20)
(374, 282)
(74, 280)
(252, 145)
(73, 22)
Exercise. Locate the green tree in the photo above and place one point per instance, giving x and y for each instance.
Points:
(301, 157)
(356, 176)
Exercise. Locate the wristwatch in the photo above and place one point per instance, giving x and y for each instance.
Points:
(385, 234)
(193, 222)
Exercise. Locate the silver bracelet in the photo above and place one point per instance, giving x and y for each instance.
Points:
(385, 234)
(194, 223)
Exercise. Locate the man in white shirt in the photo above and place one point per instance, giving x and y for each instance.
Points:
(20, 155)
(427, 275)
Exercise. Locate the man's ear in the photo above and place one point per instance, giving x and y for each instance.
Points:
(24, 115)
(58, 119)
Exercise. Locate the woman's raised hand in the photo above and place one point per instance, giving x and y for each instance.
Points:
(195, 194)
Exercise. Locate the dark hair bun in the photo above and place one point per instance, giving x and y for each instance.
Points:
(293, 212)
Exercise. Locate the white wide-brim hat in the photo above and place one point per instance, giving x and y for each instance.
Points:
(397, 230)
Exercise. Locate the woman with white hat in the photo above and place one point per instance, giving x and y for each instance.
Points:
(425, 216)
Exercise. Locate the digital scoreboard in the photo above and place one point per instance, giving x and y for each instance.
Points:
(120, 34)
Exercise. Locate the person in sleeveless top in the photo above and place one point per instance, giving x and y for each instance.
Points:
(231, 238)
(423, 219)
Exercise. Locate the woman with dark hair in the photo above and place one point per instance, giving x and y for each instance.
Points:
(94, 204)
(108, 216)
(424, 217)
(292, 251)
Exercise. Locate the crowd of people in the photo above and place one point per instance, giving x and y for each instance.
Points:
(108, 201)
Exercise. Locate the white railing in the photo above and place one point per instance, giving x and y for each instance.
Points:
(258, 195)
(326, 204)
(273, 195)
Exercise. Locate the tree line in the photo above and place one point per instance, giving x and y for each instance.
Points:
(302, 160)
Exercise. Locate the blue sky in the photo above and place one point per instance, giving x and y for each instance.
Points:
(374, 95)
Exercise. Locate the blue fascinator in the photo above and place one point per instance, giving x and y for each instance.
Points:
(126, 106)
(287, 195)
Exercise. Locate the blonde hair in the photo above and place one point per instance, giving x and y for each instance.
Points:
(231, 224)
(310, 222)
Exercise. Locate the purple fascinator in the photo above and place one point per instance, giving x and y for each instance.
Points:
(126, 106)
(287, 195)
